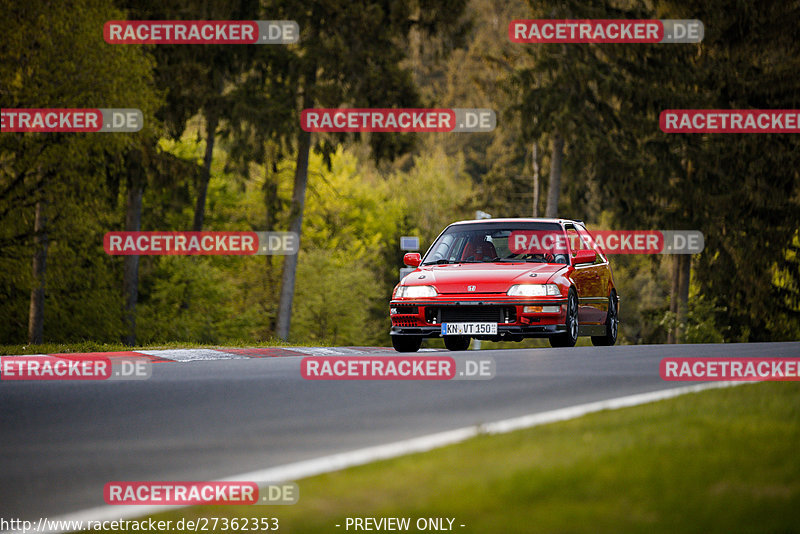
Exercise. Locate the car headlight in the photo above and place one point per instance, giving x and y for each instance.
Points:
(534, 290)
(415, 292)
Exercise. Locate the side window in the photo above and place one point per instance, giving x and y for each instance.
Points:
(445, 246)
(574, 239)
(591, 244)
(450, 247)
(458, 247)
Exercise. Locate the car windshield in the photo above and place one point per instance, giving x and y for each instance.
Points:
(499, 243)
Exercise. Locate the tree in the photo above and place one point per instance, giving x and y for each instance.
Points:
(566, 92)
(740, 190)
(364, 73)
(54, 174)
(198, 78)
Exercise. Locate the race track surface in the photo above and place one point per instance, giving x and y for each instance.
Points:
(206, 415)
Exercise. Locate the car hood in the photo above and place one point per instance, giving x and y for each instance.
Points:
(486, 277)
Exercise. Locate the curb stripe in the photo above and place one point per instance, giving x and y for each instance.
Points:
(110, 355)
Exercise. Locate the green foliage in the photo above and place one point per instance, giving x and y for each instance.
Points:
(350, 249)
(349, 259)
(643, 286)
(332, 302)
(214, 313)
(701, 321)
(436, 192)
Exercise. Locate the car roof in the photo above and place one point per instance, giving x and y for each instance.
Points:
(518, 219)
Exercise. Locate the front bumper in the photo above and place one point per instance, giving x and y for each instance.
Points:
(424, 317)
(503, 331)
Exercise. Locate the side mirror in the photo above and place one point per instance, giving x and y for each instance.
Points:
(584, 256)
(413, 259)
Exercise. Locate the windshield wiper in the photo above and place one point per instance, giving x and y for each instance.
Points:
(442, 261)
(524, 260)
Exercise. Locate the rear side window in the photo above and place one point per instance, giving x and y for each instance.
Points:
(590, 244)
(574, 239)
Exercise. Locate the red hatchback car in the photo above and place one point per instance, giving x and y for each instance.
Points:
(505, 280)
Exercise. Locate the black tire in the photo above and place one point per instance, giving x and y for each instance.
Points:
(456, 342)
(570, 337)
(406, 343)
(612, 324)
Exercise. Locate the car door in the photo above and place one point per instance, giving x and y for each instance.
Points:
(583, 275)
(596, 300)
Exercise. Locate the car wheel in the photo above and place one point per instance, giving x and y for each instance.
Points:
(570, 337)
(456, 342)
(612, 324)
(406, 343)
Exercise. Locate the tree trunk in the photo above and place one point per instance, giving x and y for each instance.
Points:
(296, 225)
(535, 163)
(271, 221)
(683, 266)
(271, 195)
(683, 297)
(554, 186)
(133, 223)
(673, 296)
(200, 208)
(36, 313)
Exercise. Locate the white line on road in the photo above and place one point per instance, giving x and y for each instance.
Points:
(193, 355)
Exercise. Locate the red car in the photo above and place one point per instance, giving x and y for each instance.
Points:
(506, 280)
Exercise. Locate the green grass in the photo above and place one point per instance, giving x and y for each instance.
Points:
(94, 346)
(718, 461)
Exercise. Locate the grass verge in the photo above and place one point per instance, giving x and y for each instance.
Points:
(718, 461)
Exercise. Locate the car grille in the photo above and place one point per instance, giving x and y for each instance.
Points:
(486, 314)
(405, 321)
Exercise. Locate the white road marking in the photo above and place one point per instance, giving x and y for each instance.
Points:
(343, 351)
(193, 355)
(336, 462)
(325, 351)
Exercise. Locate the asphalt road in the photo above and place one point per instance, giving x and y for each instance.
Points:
(60, 442)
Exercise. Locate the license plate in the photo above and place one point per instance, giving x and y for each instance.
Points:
(469, 329)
